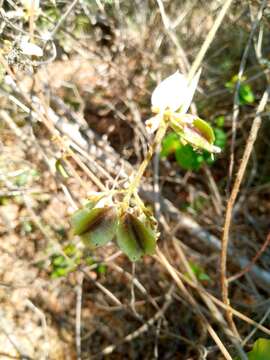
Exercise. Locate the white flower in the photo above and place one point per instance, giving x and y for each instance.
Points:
(29, 48)
(173, 93)
(31, 4)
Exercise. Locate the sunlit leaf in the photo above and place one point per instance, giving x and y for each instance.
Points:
(61, 169)
(220, 138)
(260, 351)
(199, 272)
(187, 158)
(220, 120)
(246, 95)
(196, 132)
(169, 144)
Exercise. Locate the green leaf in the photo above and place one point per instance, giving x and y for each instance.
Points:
(246, 95)
(60, 261)
(195, 131)
(260, 351)
(101, 269)
(204, 129)
(220, 138)
(220, 120)
(59, 272)
(61, 266)
(170, 144)
(22, 179)
(61, 169)
(188, 158)
(199, 272)
(70, 250)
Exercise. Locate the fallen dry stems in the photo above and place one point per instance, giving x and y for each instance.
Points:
(163, 260)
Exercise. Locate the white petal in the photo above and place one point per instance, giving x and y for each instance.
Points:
(30, 49)
(171, 92)
(190, 93)
(152, 124)
(29, 4)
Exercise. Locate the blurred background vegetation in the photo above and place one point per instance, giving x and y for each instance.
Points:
(77, 113)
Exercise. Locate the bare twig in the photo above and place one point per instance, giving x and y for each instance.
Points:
(229, 210)
(253, 261)
(197, 62)
(237, 88)
(144, 327)
(78, 315)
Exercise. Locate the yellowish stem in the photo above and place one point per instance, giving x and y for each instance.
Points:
(133, 186)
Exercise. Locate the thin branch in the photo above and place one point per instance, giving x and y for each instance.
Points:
(237, 88)
(229, 210)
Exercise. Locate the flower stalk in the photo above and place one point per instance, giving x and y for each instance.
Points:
(135, 183)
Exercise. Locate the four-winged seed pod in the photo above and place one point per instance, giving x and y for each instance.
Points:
(97, 226)
(135, 238)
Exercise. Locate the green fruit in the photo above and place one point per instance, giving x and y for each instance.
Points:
(84, 218)
(134, 238)
(102, 230)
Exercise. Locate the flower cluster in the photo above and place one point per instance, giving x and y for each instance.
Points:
(101, 221)
(126, 219)
(171, 100)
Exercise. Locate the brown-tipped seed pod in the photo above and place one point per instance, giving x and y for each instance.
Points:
(96, 227)
(135, 238)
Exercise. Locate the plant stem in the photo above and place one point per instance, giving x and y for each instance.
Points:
(134, 184)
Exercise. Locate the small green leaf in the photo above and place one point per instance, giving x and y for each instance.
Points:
(170, 144)
(220, 138)
(204, 129)
(220, 120)
(61, 266)
(246, 95)
(199, 272)
(22, 179)
(70, 250)
(261, 350)
(61, 169)
(196, 132)
(59, 261)
(101, 269)
(59, 272)
(188, 158)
